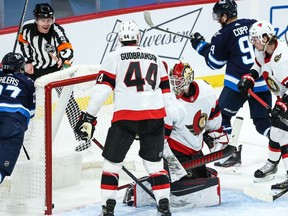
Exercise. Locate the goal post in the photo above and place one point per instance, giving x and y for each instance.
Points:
(50, 142)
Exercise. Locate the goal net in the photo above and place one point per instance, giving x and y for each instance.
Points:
(48, 159)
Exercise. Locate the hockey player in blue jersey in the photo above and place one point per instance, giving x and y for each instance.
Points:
(17, 107)
(230, 46)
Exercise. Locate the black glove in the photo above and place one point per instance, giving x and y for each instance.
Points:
(85, 126)
(280, 109)
(246, 82)
(198, 43)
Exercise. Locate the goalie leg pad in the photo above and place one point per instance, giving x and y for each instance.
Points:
(199, 192)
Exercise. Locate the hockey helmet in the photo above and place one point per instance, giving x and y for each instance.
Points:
(228, 7)
(129, 31)
(259, 29)
(13, 62)
(43, 10)
(180, 77)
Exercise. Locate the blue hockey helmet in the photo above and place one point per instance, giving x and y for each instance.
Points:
(228, 7)
(13, 62)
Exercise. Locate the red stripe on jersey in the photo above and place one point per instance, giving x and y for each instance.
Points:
(285, 82)
(112, 76)
(160, 173)
(109, 187)
(285, 156)
(273, 149)
(166, 90)
(180, 147)
(136, 115)
(160, 187)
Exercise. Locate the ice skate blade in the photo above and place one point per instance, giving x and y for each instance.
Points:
(265, 179)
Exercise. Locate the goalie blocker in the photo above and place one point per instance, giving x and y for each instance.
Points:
(194, 192)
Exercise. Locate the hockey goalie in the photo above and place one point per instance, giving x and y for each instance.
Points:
(193, 118)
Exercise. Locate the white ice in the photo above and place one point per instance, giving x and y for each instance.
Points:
(84, 199)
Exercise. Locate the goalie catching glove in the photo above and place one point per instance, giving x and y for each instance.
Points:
(216, 139)
(85, 126)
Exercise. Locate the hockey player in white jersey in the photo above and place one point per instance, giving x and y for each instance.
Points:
(194, 114)
(141, 89)
(271, 61)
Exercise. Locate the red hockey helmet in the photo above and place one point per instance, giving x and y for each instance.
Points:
(180, 77)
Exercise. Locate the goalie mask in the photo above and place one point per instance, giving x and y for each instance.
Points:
(259, 29)
(228, 7)
(180, 78)
(13, 62)
(129, 31)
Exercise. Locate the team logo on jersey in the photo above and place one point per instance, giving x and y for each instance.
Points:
(277, 57)
(199, 122)
(272, 85)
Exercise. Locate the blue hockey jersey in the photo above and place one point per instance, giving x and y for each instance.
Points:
(17, 94)
(230, 46)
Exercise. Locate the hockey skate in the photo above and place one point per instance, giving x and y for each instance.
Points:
(108, 209)
(163, 208)
(230, 164)
(281, 186)
(266, 173)
(83, 146)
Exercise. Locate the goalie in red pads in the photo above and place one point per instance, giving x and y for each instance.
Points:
(193, 117)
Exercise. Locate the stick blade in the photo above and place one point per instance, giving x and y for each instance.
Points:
(148, 19)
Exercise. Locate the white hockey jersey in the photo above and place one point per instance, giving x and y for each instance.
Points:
(187, 118)
(274, 68)
(139, 80)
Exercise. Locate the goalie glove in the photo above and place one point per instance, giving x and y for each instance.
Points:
(85, 126)
(216, 139)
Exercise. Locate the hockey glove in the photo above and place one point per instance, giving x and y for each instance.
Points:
(280, 109)
(85, 126)
(246, 82)
(198, 42)
(216, 139)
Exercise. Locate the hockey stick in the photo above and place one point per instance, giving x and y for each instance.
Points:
(259, 194)
(128, 173)
(263, 103)
(188, 165)
(214, 156)
(20, 25)
(148, 19)
(26, 153)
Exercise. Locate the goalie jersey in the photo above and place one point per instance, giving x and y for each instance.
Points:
(187, 118)
(230, 46)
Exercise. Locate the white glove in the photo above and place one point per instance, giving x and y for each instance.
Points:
(216, 139)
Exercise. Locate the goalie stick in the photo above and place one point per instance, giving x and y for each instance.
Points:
(148, 20)
(188, 165)
(263, 103)
(214, 156)
(128, 173)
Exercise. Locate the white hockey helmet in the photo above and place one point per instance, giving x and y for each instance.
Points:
(129, 31)
(259, 29)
